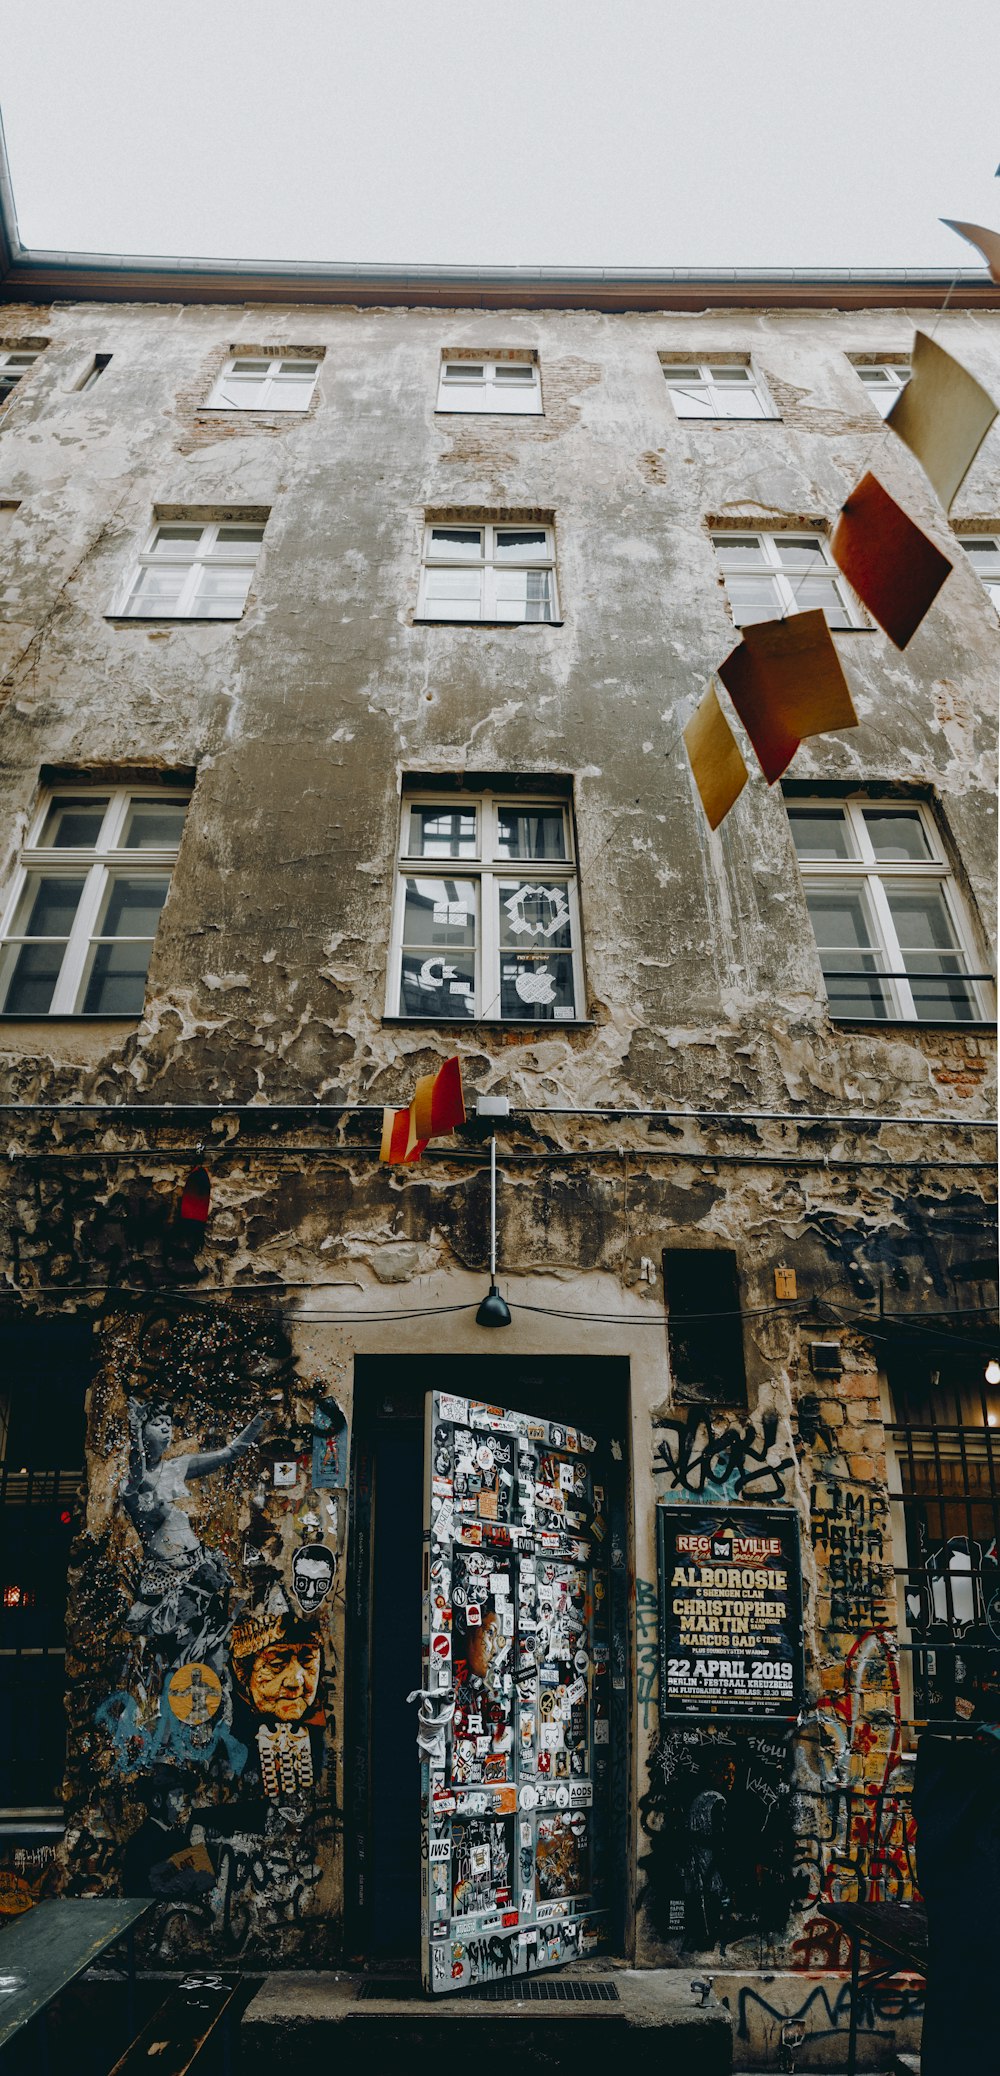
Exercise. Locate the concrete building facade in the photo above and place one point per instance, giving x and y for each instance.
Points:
(258, 663)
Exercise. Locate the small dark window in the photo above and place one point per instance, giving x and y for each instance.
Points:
(704, 1325)
(95, 371)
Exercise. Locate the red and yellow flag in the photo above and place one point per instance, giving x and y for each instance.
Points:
(438, 1106)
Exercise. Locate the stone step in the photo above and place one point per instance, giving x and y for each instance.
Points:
(301, 2021)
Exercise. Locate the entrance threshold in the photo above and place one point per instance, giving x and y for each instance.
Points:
(652, 2015)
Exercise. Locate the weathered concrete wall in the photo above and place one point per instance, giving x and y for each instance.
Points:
(268, 986)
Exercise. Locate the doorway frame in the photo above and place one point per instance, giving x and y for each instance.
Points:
(448, 1369)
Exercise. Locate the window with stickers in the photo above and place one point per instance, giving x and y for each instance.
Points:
(486, 923)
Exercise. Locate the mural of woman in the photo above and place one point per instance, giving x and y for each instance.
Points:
(157, 1484)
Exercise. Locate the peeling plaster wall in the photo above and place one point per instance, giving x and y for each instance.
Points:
(268, 980)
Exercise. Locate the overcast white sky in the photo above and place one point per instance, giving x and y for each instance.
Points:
(648, 133)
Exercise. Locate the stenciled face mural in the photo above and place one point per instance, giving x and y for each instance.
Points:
(205, 1597)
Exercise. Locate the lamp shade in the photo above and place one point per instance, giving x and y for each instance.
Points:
(494, 1310)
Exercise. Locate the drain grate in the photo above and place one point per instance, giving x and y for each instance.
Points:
(523, 1989)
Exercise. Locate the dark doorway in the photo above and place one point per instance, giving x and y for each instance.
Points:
(382, 1796)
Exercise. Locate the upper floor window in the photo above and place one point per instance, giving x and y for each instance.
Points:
(276, 384)
(883, 380)
(83, 914)
(13, 366)
(486, 920)
(717, 389)
(769, 575)
(193, 570)
(488, 573)
(93, 374)
(983, 551)
(508, 386)
(893, 940)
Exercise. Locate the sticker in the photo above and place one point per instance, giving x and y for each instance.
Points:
(285, 1471)
(313, 1571)
(528, 1796)
(602, 1729)
(194, 1692)
(441, 1646)
(474, 1614)
(562, 1798)
(440, 1849)
(456, 1409)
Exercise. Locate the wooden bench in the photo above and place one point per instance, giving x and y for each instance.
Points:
(47, 1948)
(177, 2032)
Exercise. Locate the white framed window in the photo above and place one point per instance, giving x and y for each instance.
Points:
(895, 943)
(983, 551)
(91, 881)
(883, 381)
(769, 575)
(481, 572)
(192, 570)
(13, 367)
(511, 387)
(717, 389)
(255, 383)
(486, 923)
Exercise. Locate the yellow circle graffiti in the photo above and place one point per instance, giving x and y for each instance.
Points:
(194, 1692)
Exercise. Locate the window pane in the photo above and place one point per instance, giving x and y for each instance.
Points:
(463, 371)
(242, 393)
(847, 952)
(533, 915)
(35, 970)
(220, 593)
(465, 542)
(248, 537)
(927, 942)
(432, 985)
(801, 553)
(740, 403)
(514, 371)
(522, 544)
(450, 833)
(132, 905)
(823, 592)
(820, 832)
(152, 825)
(521, 834)
(48, 906)
(688, 394)
(170, 540)
(984, 555)
(156, 591)
(537, 986)
(74, 824)
(299, 368)
(730, 374)
(117, 981)
(290, 393)
(753, 598)
(440, 912)
(896, 833)
(249, 367)
(523, 594)
(740, 551)
(453, 594)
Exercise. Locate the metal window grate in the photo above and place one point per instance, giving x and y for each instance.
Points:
(524, 1989)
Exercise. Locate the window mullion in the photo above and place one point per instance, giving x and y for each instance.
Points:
(396, 944)
(900, 989)
(488, 975)
(69, 986)
(109, 836)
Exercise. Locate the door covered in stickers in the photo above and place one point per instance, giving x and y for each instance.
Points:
(516, 1703)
